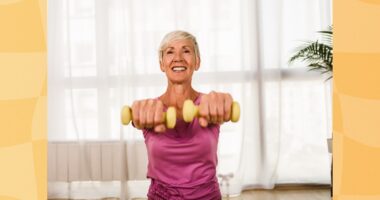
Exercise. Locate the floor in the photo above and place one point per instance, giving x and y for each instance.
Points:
(284, 194)
(276, 194)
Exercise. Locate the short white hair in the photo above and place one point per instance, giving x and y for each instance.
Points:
(177, 35)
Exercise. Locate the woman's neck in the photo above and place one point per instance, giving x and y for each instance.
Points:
(176, 94)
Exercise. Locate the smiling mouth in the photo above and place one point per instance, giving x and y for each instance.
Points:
(179, 68)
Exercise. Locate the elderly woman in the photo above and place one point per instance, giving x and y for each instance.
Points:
(182, 161)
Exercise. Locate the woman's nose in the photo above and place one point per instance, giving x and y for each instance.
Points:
(178, 57)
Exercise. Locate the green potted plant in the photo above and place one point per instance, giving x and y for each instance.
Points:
(319, 57)
(317, 54)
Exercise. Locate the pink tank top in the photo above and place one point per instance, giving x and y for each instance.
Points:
(185, 158)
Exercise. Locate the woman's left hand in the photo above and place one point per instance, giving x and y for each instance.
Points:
(215, 108)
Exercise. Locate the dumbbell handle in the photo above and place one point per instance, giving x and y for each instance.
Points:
(190, 111)
(169, 116)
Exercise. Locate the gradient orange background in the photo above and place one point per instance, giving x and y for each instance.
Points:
(356, 100)
(23, 101)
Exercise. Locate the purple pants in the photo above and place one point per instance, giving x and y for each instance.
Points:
(162, 191)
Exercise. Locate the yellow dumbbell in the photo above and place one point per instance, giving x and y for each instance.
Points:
(170, 116)
(190, 111)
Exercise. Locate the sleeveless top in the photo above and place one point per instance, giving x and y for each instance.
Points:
(184, 158)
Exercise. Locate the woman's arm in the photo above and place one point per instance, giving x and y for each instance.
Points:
(215, 108)
(148, 113)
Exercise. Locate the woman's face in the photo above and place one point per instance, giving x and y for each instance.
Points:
(179, 61)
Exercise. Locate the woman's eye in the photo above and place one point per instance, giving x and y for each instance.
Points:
(169, 52)
(187, 51)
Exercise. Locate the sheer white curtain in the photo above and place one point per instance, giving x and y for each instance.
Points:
(103, 54)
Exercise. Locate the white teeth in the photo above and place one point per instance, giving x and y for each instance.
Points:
(177, 69)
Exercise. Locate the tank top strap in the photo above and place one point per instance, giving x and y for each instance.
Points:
(197, 100)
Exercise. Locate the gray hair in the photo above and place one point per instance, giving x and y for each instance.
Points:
(177, 35)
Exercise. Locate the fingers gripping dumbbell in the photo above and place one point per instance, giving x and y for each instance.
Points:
(169, 116)
(190, 111)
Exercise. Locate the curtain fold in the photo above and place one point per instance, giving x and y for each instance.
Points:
(103, 55)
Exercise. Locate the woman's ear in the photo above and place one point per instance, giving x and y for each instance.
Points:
(162, 67)
(197, 63)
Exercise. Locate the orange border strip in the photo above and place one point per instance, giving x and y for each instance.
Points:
(356, 100)
(23, 99)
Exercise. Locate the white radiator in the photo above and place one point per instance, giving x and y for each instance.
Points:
(96, 161)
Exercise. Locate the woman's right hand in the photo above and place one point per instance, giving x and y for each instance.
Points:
(148, 113)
